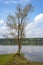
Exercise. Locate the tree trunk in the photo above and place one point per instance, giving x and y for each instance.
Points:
(18, 38)
(18, 44)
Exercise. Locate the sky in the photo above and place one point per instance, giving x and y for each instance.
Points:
(34, 29)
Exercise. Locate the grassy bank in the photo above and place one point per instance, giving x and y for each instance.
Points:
(13, 59)
(5, 58)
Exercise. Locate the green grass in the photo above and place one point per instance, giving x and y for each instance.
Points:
(14, 59)
(5, 58)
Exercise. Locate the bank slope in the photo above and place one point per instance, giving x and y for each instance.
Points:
(14, 59)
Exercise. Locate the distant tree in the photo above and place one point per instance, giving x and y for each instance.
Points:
(17, 23)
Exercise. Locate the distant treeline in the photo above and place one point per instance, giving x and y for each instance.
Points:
(25, 41)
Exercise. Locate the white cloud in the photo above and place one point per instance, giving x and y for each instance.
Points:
(9, 2)
(35, 28)
(15, 1)
(1, 21)
(3, 28)
(39, 18)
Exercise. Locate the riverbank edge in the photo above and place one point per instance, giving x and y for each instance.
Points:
(15, 59)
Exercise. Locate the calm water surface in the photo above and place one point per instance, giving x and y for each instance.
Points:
(32, 53)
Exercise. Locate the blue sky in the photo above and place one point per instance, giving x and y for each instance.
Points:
(9, 6)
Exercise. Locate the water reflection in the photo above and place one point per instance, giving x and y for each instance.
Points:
(32, 53)
(8, 49)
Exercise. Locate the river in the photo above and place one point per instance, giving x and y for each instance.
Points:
(32, 53)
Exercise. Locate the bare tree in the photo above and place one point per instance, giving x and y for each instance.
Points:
(16, 23)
